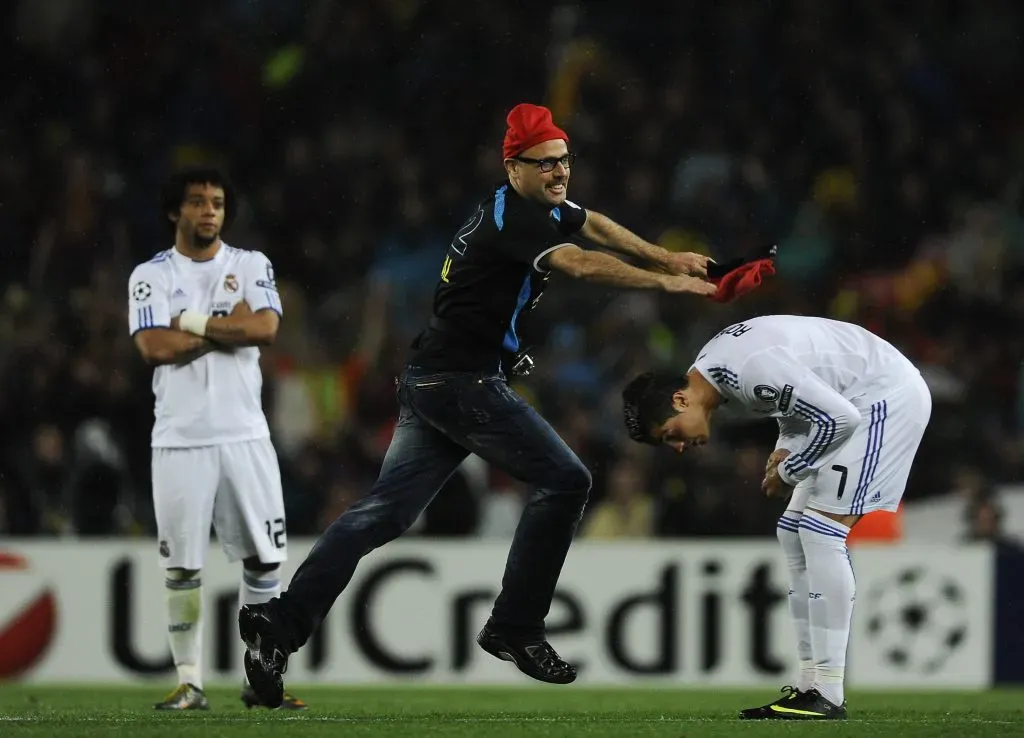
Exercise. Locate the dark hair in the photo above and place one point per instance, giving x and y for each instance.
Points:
(173, 193)
(647, 403)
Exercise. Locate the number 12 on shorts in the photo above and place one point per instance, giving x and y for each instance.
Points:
(275, 532)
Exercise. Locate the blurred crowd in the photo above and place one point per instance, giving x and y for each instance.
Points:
(878, 144)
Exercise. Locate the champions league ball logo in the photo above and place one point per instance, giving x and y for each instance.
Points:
(28, 616)
(917, 619)
(141, 291)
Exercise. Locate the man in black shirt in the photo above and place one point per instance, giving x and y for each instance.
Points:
(455, 400)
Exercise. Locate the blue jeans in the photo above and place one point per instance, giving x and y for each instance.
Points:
(445, 416)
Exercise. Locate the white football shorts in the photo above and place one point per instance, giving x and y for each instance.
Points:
(235, 487)
(870, 471)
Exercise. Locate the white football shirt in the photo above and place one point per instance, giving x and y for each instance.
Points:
(216, 398)
(817, 376)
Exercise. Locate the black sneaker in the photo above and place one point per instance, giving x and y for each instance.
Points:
(535, 658)
(765, 711)
(266, 659)
(809, 705)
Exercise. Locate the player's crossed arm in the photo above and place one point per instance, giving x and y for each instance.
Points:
(242, 328)
(160, 346)
(254, 321)
(149, 319)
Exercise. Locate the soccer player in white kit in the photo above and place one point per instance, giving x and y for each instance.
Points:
(851, 411)
(198, 313)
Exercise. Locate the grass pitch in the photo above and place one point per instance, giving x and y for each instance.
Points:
(27, 710)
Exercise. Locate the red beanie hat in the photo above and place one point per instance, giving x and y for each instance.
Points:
(529, 125)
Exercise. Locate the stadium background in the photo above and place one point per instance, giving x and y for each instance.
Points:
(880, 147)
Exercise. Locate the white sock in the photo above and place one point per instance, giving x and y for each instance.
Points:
(832, 593)
(796, 563)
(185, 624)
(258, 587)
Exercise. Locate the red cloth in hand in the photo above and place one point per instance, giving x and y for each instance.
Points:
(742, 280)
(739, 276)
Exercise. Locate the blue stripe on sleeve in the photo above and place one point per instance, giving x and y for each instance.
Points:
(826, 431)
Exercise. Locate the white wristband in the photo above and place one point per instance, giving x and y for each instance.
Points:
(193, 321)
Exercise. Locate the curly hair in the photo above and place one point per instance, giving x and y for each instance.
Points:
(172, 195)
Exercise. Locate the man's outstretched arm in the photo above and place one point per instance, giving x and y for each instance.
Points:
(594, 266)
(608, 234)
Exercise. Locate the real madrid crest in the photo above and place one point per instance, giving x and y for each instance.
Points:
(231, 283)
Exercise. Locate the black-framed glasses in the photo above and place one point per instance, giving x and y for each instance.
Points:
(548, 164)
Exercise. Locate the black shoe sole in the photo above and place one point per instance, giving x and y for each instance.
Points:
(268, 685)
(499, 649)
(268, 688)
(811, 718)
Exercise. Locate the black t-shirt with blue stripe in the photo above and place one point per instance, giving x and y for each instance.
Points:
(493, 272)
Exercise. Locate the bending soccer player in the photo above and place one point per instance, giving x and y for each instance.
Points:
(198, 312)
(851, 411)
